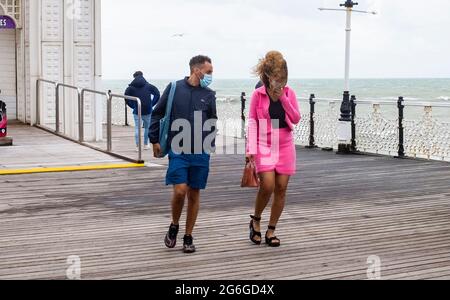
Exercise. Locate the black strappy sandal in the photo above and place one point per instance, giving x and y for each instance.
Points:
(253, 232)
(273, 241)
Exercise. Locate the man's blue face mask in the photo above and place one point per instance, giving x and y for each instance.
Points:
(206, 81)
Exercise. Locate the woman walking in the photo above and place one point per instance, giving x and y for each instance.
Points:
(274, 111)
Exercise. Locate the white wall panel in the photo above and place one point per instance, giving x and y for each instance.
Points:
(52, 12)
(84, 25)
(52, 69)
(8, 71)
(20, 74)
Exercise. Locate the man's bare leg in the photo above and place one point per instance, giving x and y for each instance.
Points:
(179, 195)
(193, 208)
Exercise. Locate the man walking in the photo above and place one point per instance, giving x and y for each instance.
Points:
(149, 96)
(193, 108)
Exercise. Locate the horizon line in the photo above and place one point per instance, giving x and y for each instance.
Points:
(296, 78)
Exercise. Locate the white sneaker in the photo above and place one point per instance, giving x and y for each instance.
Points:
(147, 147)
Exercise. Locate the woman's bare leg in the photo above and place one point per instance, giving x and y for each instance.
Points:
(281, 184)
(266, 190)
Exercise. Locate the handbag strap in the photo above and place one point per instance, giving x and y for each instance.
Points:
(173, 88)
(250, 163)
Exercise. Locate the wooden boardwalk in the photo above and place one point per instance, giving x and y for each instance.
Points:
(340, 211)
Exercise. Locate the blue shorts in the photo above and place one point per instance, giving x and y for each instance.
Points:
(189, 169)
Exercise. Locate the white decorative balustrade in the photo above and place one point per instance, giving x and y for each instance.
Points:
(376, 133)
(302, 130)
(326, 112)
(378, 127)
(428, 137)
(425, 135)
(325, 121)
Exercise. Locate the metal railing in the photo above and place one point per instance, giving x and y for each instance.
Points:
(320, 126)
(107, 95)
(372, 132)
(81, 94)
(80, 109)
(38, 93)
(126, 115)
(109, 121)
(421, 136)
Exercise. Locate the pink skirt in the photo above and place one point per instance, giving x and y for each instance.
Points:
(277, 153)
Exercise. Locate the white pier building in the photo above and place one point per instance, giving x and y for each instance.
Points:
(59, 40)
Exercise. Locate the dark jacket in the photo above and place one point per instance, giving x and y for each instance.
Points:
(143, 90)
(259, 84)
(187, 100)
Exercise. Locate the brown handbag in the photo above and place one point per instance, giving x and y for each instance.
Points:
(250, 179)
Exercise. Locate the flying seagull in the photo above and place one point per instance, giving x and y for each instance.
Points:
(179, 35)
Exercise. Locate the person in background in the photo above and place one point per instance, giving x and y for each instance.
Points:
(149, 96)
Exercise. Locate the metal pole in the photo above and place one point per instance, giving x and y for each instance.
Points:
(80, 116)
(344, 126)
(109, 122)
(106, 94)
(243, 100)
(139, 118)
(401, 142)
(344, 130)
(348, 30)
(57, 129)
(80, 107)
(353, 107)
(140, 128)
(126, 115)
(312, 104)
(38, 95)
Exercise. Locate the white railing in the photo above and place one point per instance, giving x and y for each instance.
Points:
(403, 128)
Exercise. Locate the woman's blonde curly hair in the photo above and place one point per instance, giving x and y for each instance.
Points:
(272, 68)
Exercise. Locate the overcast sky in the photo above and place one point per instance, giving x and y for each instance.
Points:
(408, 38)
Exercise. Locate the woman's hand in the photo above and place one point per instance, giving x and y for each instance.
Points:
(284, 93)
(275, 94)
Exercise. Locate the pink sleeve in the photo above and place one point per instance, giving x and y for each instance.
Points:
(252, 130)
(290, 105)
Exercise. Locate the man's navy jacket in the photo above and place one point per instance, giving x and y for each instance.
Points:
(187, 100)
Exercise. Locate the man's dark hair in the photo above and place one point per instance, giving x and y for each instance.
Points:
(138, 73)
(198, 61)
